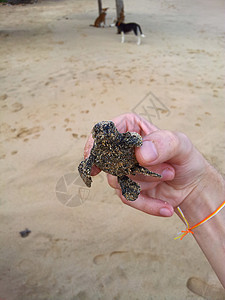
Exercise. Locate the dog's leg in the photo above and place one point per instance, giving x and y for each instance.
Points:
(139, 27)
(122, 37)
(113, 24)
(139, 35)
(136, 31)
(138, 40)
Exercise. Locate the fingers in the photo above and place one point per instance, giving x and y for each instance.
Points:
(149, 205)
(145, 202)
(126, 122)
(176, 149)
(88, 146)
(134, 123)
(158, 145)
(87, 149)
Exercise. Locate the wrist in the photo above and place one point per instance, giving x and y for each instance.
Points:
(205, 198)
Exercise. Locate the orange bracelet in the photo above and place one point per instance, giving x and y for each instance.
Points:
(183, 233)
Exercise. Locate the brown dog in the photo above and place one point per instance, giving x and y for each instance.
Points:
(101, 18)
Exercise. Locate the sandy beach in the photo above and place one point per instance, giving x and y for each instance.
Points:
(59, 76)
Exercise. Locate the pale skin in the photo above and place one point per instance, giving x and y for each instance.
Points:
(188, 181)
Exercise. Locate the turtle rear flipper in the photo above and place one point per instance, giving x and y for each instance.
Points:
(130, 189)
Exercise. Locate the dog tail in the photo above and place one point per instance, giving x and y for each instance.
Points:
(139, 28)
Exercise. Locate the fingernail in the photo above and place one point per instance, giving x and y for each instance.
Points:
(165, 212)
(148, 151)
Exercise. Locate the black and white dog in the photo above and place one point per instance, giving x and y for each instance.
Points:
(124, 28)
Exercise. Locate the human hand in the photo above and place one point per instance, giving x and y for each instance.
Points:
(187, 181)
(170, 154)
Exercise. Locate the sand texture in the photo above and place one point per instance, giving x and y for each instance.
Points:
(59, 76)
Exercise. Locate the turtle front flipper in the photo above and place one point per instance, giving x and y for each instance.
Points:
(84, 169)
(130, 189)
(138, 169)
(133, 139)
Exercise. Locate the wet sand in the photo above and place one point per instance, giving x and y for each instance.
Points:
(59, 76)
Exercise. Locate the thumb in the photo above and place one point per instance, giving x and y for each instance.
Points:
(164, 146)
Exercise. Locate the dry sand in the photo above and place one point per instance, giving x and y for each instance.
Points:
(58, 77)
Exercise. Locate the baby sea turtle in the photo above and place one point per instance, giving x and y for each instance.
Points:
(113, 153)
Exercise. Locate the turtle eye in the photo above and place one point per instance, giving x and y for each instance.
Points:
(110, 128)
(106, 129)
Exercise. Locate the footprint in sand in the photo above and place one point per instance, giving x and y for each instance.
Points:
(3, 97)
(75, 135)
(123, 265)
(207, 113)
(115, 255)
(37, 279)
(124, 256)
(16, 107)
(24, 131)
(204, 289)
(4, 106)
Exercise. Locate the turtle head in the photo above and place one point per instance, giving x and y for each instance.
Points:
(104, 130)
